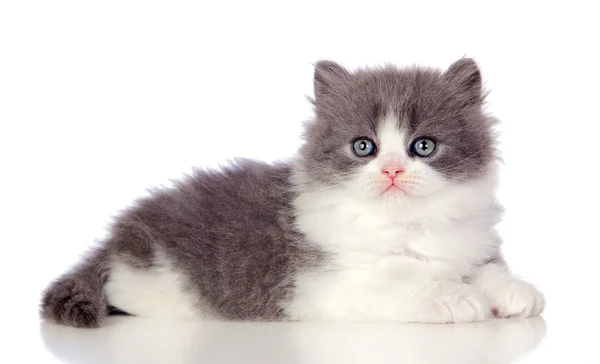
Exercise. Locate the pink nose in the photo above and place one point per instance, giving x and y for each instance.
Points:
(392, 171)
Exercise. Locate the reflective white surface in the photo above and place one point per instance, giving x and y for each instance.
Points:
(134, 340)
(123, 340)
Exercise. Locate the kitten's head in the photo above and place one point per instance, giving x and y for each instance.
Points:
(392, 132)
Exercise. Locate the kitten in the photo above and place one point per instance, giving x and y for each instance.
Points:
(387, 213)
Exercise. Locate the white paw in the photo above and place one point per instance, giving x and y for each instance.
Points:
(514, 298)
(449, 302)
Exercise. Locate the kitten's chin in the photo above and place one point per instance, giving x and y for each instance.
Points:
(393, 191)
(401, 191)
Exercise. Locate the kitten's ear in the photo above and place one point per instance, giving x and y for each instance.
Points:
(328, 74)
(465, 76)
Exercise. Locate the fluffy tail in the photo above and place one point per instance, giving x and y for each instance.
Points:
(77, 298)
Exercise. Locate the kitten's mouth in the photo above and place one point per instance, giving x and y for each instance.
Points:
(393, 188)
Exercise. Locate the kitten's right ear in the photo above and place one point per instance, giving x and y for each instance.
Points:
(328, 74)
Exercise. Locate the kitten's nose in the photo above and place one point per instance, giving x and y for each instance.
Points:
(392, 171)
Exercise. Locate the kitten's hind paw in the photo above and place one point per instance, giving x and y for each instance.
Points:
(69, 302)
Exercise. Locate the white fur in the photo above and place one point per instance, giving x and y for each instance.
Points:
(154, 292)
(396, 256)
(507, 295)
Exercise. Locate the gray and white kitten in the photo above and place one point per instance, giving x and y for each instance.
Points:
(387, 213)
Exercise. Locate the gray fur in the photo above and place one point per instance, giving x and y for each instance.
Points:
(235, 242)
(232, 232)
(77, 298)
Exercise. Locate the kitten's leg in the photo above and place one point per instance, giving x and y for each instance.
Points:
(508, 296)
(444, 302)
(77, 298)
(431, 292)
(158, 290)
(362, 295)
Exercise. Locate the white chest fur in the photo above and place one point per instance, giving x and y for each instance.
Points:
(361, 233)
(378, 246)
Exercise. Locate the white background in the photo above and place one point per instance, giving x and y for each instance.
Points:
(100, 100)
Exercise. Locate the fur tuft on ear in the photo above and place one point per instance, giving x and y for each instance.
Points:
(464, 74)
(327, 75)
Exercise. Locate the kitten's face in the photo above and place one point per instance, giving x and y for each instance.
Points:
(397, 133)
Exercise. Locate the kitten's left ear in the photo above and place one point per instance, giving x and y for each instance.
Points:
(465, 76)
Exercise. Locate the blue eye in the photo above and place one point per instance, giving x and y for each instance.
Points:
(364, 147)
(423, 147)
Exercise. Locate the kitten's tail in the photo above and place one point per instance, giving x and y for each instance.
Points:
(77, 298)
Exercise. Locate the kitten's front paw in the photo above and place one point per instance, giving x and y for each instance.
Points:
(514, 298)
(449, 302)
